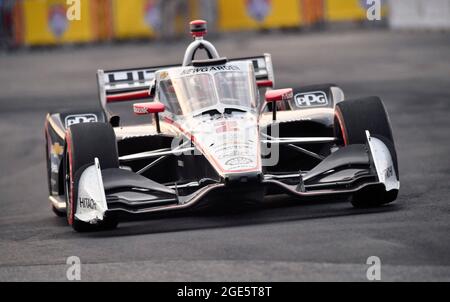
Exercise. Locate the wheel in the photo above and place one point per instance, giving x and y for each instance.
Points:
(353, 117)
(373, 197)
(84, 142)
(58, 213)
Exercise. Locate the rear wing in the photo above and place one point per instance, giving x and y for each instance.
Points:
(133, 84)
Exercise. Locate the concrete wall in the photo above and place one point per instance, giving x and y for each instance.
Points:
(418, 14)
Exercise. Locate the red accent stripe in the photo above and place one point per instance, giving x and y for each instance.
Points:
(199, 34)
(338, 115)
(264, 83)
(278, 95)
(128, 96)
(71, 183)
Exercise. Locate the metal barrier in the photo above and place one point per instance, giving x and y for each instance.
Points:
(258, 14)
(417, 14)
(152, 18)
(44, 22)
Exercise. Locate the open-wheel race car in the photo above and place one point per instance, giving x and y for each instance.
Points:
(173, 138)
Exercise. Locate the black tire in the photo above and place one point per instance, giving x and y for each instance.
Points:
(58, 213)
(353, 117)
(84, 142)
(373, 197)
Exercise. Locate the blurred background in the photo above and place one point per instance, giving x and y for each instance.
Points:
(30, 23)
(48, 62)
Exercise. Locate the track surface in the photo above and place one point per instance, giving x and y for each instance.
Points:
(282, 241)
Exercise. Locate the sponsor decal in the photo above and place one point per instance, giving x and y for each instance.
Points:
(91, 201)
(226, 126)
(87, 203)
(140, 110)
(163, 75)
(54, 168)
(57, 20)
(258, 9)
(389, 172)
(238, 161)
(209, 69)
(222, 155)
(80, 118)
(125, 78)
(287, 96)
(311, 99)
(57, 149)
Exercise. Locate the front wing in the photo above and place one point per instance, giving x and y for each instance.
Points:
(346, 171)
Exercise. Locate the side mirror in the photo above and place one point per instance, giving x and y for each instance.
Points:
(150, 108)
(276, 95)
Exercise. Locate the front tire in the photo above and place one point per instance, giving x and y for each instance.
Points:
(84, 142)
(353, 118)
(373, 197)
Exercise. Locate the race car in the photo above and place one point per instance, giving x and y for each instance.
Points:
(213, 130)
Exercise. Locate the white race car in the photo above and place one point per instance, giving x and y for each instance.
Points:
(210, 131)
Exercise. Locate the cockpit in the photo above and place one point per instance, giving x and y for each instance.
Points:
(193, 90)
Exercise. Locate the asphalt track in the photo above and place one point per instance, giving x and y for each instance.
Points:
(283, 241)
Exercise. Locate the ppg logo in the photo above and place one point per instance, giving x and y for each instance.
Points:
(80, 118)
(311, 99)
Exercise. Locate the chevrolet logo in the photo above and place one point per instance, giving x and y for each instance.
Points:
(57, 149)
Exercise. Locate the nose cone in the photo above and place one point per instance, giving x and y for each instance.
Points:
(232, 146)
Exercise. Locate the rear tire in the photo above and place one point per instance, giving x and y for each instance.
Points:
(353, 117)
(84, 142)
